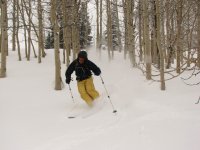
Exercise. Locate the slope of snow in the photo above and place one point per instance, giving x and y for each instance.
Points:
(33, 116)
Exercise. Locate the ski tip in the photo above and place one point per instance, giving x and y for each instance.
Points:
(114, 111)
(71, 117)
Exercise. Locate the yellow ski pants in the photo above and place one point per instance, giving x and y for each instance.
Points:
(87, 90)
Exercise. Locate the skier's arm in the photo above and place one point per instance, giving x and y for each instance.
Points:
(96, 70)
(70, 70)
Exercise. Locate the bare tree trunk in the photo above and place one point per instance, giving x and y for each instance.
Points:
(162, 79)
(189, 36)
(17, 32)
(198, 32)
(130, 31)
(179, 22)
(33, 49)
(97, 27)
(101, 22)
(56, 45)
(109, 29)
(29, 28)
(86, 27)
(40, 38)
(125, 32)
(3, 38)
(75, 29)
(74, 42)
(167, 24)
(25, 28)
(140, 30)
(119, 41)
(64, 29)
(67, 24)
(171, 38)
(14, 26)
(146, 38)
(163, 38)
(6, 36)
(30, 21)
(155, 52)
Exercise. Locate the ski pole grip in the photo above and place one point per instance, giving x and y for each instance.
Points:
(102, 79)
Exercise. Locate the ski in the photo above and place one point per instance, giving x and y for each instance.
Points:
(76, 114)
(71, 117)
(98, 106)
(198, 101)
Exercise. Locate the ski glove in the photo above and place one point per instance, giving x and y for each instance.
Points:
(68, 80)
(98, 73)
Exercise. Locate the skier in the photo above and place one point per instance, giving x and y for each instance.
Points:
(83, 67)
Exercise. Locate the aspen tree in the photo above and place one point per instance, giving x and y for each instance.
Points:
(163, 38)
(75, 28)
(125, 30)
(97, 27)
(17, 32)
(85, 10)
(130, 31)
(147, 52)
(66, 9)
(29, 28)
(115, 3)
(109, 29)
(14, 26)
(41, 52)
(54, 21)
(3, 38)
(162, 79)
(101, 22)
(198, 32)
(154, 48)
(25, 28)
(140, 30)
(170, 31)
(6, 33)
(178, 35)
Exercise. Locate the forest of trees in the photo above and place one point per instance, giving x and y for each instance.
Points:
(160, 37)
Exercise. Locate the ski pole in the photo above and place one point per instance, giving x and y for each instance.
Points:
(114, 110)
(198, 101)
(71, 93)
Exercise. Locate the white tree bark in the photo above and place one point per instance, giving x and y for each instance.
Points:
(109, 29)
(101, 22)
(130, 31)
(115, 3)
(17, 32)
(14, 26)
(97, 27)
(179, 28)
(25, 28)
(75, 29)
(140, 29)
(40, 38)
(66, 8)
(3, 38)
(198, 32)
(29, 28)
(162, 79)
(147, 53)
(56, 45)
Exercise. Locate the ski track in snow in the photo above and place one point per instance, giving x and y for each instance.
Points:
(33, 115)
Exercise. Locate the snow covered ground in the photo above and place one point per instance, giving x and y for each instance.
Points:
(33, 116)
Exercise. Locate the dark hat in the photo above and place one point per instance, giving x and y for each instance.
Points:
(82, 54)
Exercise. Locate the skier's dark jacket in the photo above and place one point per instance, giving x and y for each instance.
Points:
(82, 71)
